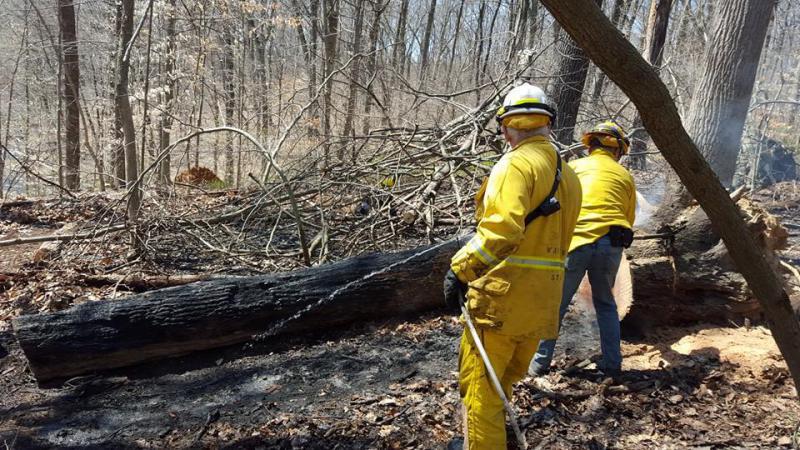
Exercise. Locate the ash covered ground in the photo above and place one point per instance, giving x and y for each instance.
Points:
(393, 385)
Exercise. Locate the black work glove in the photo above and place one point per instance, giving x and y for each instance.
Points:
(455, 291)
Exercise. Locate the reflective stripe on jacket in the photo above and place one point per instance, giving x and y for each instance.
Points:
(609, 197)
(515, 273)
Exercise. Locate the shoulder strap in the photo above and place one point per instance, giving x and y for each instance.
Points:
(550, 204)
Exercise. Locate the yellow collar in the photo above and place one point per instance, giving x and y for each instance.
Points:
(531, 139)
(601, 152)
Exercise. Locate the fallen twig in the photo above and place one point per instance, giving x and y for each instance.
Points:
(62, 237)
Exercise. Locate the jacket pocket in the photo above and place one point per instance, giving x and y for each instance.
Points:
(484, 300)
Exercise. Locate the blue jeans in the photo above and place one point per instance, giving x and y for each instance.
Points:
(601, 260)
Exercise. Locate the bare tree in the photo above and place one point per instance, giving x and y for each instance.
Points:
(356, 69)
(378, 6)
(165, 127)
(330, 40)
(655, 37)
(123, 108)
(71, 92)
(118, 149)
(426, 39)
(229, 103)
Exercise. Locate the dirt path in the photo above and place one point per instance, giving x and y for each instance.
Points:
(393, 386)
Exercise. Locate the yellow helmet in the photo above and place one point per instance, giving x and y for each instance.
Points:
(529, 100)
(608, 134)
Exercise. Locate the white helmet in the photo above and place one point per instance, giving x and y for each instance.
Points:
(525, 99)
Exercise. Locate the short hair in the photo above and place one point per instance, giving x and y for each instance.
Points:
(520, 135)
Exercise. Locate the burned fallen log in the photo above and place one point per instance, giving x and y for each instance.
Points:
(210, 314)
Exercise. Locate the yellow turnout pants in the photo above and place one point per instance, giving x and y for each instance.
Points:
(484, 413)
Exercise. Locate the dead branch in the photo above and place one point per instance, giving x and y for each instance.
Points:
(63, 237)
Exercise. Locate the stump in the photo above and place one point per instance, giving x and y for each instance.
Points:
(689, 277)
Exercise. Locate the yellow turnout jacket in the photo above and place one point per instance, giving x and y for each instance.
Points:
(515, 273)
(609, 197)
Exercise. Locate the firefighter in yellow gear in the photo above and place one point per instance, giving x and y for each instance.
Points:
(604, 228)
(512, 271)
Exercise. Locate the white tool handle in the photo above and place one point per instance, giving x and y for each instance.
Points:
(493, 377)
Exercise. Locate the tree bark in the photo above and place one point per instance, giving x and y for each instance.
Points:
(372, 63)
(179, 320)
(71, 92)
(165, 128)
(330, 40)
(568, 88)
(228, 73)
(118, 149)
(640, 82)
(721, 98)
(123, 108)
(600, 80)
(355, 71)
(655, 37)
(426, 40)
(398, 54)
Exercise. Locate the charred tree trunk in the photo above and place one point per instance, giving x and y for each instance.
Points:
(71, 93)
(179, 320)
(568, 88)
(584, 22)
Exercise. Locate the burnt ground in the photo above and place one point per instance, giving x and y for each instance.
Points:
(393, 385)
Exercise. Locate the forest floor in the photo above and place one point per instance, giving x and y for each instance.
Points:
(391, 384)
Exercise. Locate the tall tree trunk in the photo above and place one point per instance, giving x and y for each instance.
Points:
(426, 40)
(355, 71)
(488, 52)
(478, 50)
(655, 37)
(165, 127)
(568, 88)
(146, 94)
(520, 28)
(378, 7)
(118, 148)
(71, 92)
(313, 47)
(123, 107)
(456, 34)
(600, 80)
(330, 39)
(398, 53)
(228, 73)
(721, 98)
